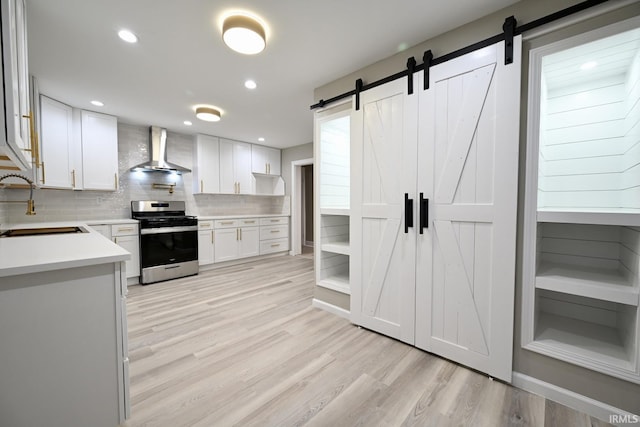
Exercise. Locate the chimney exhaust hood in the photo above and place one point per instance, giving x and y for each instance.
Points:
(158, 152)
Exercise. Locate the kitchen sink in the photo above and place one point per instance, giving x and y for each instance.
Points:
(17, 232)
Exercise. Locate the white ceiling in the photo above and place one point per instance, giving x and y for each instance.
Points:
(181, 61)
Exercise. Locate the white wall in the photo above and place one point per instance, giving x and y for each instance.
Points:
(631, 176)
(133, 148)
(589, 144)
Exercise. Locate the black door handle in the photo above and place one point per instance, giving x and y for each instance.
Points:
(408, 212)
(424, 212)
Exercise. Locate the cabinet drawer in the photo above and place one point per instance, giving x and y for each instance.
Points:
(226, 223)
(274, 232)
(205, 225)
(274, 221)
(272, 246)
(249, 222)
(124, 230)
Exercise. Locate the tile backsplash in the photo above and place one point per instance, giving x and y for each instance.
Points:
(133, 148)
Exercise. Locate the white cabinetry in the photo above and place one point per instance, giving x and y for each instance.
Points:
(15, 143)
(333, 154)
(127, 237)
(79, 148)
(235, 167)
(274, 235)
(232, 239)
(56, 142)
(206, 241)
(265, 160)
(206, 171)
(581, 260)
(99, 151)
(236, 238)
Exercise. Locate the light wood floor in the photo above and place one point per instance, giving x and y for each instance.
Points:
(243, 346)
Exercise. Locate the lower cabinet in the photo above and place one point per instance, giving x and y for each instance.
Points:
(206, 243)
(237, 238)
(125, 236)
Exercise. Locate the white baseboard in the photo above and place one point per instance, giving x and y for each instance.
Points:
(333, 309)
(571, 399)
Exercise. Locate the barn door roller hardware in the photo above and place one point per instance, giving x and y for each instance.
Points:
(510, 30)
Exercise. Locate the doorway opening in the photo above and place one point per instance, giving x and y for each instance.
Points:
(302, 240)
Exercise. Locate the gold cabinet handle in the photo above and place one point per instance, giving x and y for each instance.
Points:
(237, 234)
(115, 177)
(275, 231)
(226, 222)
(125, 229)
(43, 178)
(266, 168)
(275, 220)
(73, 178)
(213, 238)
(249, 222)
(201, 186)
(115, 240)
(275, 245)
(240, 233)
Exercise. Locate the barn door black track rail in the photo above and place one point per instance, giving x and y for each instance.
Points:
(509, 28)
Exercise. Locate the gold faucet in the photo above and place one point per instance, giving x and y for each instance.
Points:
(31, 207)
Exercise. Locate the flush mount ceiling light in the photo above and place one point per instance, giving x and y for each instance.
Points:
(187, 123)
(127, 36)
(208, 114)
(588, 65)
(250, 84)
(244, 34)
(97, 103)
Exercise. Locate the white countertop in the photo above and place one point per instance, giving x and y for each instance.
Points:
(33, 254)
(207, 218)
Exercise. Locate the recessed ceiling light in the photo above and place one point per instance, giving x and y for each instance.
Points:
(244, 34)
(588, 65)
(208, 114)
(187, 123)
(261, 139)
(127, 36)
(250, 84)
(97, 103)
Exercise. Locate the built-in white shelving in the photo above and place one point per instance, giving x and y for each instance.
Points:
(607, 285)
(630, 217)
(581, 267)
(332, 157)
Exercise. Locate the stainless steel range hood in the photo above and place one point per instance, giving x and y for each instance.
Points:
(158, 152)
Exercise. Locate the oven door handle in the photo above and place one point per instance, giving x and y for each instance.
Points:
(161, 230)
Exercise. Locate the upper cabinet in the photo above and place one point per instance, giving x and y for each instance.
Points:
(235, 167)
(265, 160)
(99, 151)
(56, 134)
(79, 148)
(15, 144)
(206, 171)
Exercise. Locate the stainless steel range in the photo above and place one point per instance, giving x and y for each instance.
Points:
(168, 240)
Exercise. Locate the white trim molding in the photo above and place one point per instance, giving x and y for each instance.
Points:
(574, 400)
(333, 309)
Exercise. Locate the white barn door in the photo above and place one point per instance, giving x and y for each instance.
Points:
(468, 168)
(384, 138)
